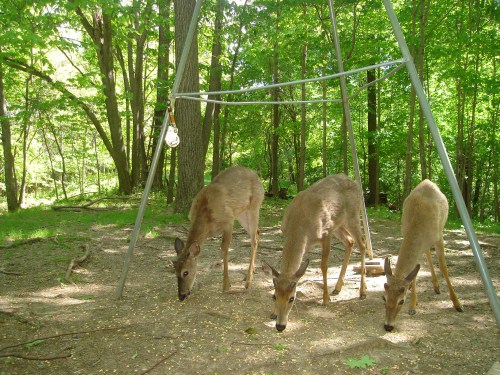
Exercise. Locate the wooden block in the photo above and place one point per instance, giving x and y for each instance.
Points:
(374, 267)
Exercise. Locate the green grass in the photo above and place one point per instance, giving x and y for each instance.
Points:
(45, 222)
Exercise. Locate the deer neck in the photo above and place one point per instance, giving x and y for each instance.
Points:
(197, 233)
(293, 252)
(409, 254)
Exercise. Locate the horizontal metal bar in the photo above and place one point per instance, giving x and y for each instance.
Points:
(290, 83)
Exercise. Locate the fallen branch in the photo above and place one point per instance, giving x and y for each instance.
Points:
(251, 343)
(10, 272)
(159, 362)
(65, 334)
(16, 355)
(88, 206)
(76, 262)
(26, 241)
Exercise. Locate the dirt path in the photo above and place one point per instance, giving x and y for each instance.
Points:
(150, 331)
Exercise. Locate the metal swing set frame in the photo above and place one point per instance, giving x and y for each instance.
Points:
(405, 61)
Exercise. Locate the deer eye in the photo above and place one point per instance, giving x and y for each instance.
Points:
(185, 273)
(402, 302)
(291, 299)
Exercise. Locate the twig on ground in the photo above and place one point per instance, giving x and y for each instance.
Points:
(10, 272)
(88, 206)
(27, 241)
(16, 355)
(65, 334)
(76, 262)
(159, 362)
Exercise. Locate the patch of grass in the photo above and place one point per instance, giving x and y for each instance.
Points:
(44, 222)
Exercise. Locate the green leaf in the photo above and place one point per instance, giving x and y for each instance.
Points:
(251, 330)
(363, 362)
(34, 343)
(280, 346)
(86, 297)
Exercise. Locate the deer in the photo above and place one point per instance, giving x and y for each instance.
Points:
(235, 193)
(425, 212)
(330, 207)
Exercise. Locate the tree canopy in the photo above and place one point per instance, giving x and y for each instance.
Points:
(85, 84)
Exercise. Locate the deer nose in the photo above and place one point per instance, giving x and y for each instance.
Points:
(388, 328)
(182, 297)
(280, 327)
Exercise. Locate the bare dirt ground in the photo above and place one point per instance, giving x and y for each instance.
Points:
(51, 327)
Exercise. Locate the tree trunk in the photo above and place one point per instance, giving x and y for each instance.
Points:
(419, 65)
(215, 75)
(164, 41)
(373, 168)
(303, 120)
(275, 113)
(10, 181)
(188, 113)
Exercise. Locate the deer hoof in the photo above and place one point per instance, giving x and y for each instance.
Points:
(335, 292)
(459, 309)
(388, 328)
(437, 291)
(412, 312)
(362, 296)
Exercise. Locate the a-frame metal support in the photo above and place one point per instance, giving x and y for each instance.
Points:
(445, 161)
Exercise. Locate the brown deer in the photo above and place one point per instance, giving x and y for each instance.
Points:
(425, 212)
(235, 193)
(328, 208)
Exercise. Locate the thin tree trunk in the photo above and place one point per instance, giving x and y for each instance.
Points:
(164, 41)
(215, 75)
(275, 113)
(303, 120)
(188, 113)
(373, 179)
(10, 181)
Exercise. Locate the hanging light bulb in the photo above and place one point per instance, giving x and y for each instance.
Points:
(172, 138)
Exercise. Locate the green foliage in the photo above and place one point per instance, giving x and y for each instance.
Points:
(361, 363)
(34, 343)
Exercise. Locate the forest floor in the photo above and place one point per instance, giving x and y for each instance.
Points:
(48, 326)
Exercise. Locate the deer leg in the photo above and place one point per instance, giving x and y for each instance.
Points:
(348, 243)
(249, 221)
(444, 271)
(226, 241)
(413, 298)
(325, 244)
(356, 233)
(435, 282)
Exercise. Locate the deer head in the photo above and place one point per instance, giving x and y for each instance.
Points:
(284, 293)
(395, 290)
(185, 267)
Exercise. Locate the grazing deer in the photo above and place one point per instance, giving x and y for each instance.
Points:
(425, 212)
(328, 208)
(235, 193)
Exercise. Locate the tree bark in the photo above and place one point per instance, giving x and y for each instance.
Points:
(10, 181)
(275, 113)
(215, 82)
(188, 113)
(162, 89)
(373, 167)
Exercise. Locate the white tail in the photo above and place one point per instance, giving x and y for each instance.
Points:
(425, 212)
(236, 193)
(328, 208)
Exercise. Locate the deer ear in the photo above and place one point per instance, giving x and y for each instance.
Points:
(302, 270)
(178, 245)
(194, 249)
(413, 273)
(387, 266)
(269, 270)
